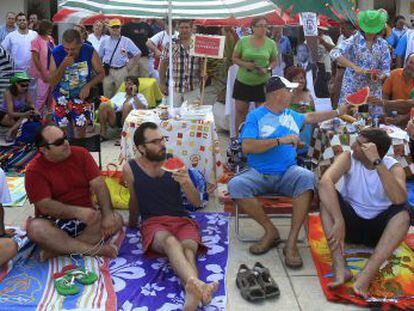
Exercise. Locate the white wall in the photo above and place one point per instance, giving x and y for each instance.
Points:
(11, 5)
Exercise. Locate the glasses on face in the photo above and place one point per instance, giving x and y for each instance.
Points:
(261, 26)
(157, 141)
(58, 142)
(115, 27)
(23, 85)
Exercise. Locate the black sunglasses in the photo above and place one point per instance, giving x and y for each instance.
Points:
(115, 27)
(58, 142)
(23, 84)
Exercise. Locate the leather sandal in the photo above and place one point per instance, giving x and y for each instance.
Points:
(248, 284)
(260, 249)
(266, 281)
(293, 262)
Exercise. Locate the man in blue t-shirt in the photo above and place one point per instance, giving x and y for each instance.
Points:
(270, 137)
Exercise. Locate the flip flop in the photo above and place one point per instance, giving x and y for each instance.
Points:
(80, 274)
(263, 250)
(65, 284)
(248, 284)
(293, 262)
(266, 281)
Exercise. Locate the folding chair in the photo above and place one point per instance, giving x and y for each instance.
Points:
(92, 144)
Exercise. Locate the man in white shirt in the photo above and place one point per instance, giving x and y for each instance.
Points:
(18, 43)
(97, 36)
(370, 208)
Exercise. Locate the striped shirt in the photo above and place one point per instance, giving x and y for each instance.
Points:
(186, 68)
(6, 63)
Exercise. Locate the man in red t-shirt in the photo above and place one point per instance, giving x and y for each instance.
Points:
(60, 183)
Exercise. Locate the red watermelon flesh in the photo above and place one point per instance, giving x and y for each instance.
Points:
(358, 98)
(173, 165)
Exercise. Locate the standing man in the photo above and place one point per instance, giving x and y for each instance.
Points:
(33, 22)
(71, 66)
(18, 44)
(98, 34)
(187, 69)
(119, 55)
(285, 50)
(270, 137)
(9, 27)
(139, 31)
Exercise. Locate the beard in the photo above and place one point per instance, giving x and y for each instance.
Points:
(156, 156)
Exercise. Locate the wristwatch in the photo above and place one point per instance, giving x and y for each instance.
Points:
(377, 162)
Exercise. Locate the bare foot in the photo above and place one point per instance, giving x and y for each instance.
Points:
(108, 250)
(341, 277)
(44, 255)
(193, 295)
(208, 292)
(361, 289)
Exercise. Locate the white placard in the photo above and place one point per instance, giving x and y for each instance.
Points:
(309, 21)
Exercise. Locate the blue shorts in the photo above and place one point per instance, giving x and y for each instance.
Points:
(293, 183)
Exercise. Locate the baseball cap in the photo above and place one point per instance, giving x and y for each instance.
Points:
(276, 83)
(19, 77)
(114, 22)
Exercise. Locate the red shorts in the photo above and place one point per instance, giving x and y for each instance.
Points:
(182, 228)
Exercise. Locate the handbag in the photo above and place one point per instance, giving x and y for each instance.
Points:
(118, 191)
(106, 66)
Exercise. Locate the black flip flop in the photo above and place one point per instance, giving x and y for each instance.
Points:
(248, 284)
(266, 281)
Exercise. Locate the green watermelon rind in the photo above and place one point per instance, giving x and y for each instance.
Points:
(366, 89)
(172, 170)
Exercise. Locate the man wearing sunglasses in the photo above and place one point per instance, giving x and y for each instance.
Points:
(167, 229)
(270, 138)
(119, 55)
(60, 183)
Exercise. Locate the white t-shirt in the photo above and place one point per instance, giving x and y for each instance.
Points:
(19, 47)
(162, 38)
(119, 99)
(4, 189)
(363, 189)
(95, 42)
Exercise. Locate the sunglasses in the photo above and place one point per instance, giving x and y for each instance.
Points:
(23, 84)
(58, 142)
(157, 141)
(115, 27)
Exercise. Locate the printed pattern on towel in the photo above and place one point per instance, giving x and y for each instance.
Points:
(30, 285)
(147, 284)
(17, 191)
(393, 285)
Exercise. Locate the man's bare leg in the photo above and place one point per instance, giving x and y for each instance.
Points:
(342, 274)
(300, 209)
(8, 249)
(254, 209)
(55, 241)
(165, 243)
(190, 251)
(393, 235)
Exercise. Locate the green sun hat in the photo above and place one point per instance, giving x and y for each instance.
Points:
(372, 21)
(19, 77)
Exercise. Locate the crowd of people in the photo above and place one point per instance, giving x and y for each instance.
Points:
(62, 82)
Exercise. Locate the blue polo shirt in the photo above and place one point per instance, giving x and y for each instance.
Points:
(263, 123)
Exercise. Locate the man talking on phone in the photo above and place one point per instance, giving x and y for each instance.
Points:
(370, 208)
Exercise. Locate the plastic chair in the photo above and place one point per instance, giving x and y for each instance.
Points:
(92, 144)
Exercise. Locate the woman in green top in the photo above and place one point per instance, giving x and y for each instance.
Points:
(257, 56)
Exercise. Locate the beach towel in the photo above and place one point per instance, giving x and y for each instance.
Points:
(143, 283)
(393, 285)
(30, 285)
(17, 191)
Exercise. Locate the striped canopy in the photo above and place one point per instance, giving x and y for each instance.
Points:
(182, 9)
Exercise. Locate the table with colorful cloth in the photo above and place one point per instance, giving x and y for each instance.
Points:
(193, 139)
(150, 89)
(326, 144)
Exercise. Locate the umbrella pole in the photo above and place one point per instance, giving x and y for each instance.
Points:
(170, 58)
(203, 85)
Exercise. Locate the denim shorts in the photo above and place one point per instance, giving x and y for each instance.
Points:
(293, 183)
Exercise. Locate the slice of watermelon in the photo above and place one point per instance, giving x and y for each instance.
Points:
(358, 98)
(173, 165)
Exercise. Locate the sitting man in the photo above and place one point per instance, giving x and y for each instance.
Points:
(369, 209)
(60, 183)
(269, 138)
(166, 226)
(115, 112)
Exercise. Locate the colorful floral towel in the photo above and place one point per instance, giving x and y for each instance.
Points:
(393, 286)
(144, 284)
(30, 286)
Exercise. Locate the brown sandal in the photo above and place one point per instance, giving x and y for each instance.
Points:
(293, 262)
(263, 249)
(248, 284)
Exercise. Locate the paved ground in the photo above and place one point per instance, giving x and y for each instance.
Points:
(300, 289)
